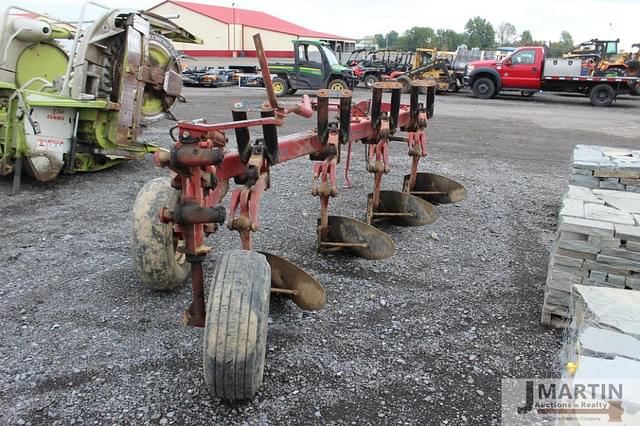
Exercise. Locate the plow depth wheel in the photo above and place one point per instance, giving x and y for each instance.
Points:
(235, 334)
(153, 246)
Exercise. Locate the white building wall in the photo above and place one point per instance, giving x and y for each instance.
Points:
(214, 33)
(271, 40)
(221, 39)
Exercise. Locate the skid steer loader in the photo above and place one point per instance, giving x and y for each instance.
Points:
(427, 64)
(79, 105)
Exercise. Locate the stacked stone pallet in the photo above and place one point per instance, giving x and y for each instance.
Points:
(598, 244)
(602, 345)
(606, 168)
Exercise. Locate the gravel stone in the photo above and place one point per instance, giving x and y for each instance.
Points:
(132, 351)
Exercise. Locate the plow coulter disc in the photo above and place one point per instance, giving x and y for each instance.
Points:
(400, 208)
(436, 189)
(356, 237)
(287, 279)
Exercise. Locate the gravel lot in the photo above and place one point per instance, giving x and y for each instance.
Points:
(423, 337)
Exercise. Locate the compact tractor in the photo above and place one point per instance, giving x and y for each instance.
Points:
(82, 109)
(172, 216)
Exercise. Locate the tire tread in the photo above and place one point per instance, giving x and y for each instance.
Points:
(235, 331)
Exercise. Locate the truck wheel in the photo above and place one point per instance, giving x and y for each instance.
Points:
(153, 246)
(337, 84)
(602, 95)
(235, 333)
(370, 80)
(484, 88)
(280, 86)
(527, 93)
(406, 83)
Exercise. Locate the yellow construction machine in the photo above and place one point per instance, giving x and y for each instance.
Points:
(429, 63)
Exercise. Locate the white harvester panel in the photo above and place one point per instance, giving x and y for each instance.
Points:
(47, 148)
(562, 67)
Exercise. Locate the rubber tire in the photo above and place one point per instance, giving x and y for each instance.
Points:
(370, 80)
(235, 333)
(490, 88)
(406, 83)
(152, 243)
(602, 89)
(285, 86)
(527, 93)
(338, 81)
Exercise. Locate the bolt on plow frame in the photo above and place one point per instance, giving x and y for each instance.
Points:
(172, 217)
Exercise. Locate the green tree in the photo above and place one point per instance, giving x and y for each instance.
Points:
(479, 33)
(564, 45)
(401, 43)
(526, 39)
(417, 37)
(506, 34)
(380, 40)
(392, 39)
(448, 39)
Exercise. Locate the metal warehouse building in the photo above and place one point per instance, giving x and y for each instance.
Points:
(228, 31)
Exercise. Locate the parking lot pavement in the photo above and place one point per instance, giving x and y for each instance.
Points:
(422, 337)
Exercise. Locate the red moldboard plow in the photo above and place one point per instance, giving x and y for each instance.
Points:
(168, 241)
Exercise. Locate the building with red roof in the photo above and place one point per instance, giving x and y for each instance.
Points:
(228, 31)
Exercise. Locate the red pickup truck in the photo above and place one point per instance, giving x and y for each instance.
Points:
(528, 71)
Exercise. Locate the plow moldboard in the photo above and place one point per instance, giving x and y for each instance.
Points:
(403, 209)
(286, 275)
(436, 189)
(369, 242)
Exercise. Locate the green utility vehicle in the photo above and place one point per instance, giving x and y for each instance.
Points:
(315, 67)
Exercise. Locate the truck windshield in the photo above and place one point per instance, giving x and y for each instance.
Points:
(331, 57)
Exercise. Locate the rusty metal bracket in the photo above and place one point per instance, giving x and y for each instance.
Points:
(324, 182)
(379, 88)
(344, 114)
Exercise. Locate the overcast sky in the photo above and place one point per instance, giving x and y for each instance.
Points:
(546, 19)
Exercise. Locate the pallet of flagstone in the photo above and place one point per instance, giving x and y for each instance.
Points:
(604, 167)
